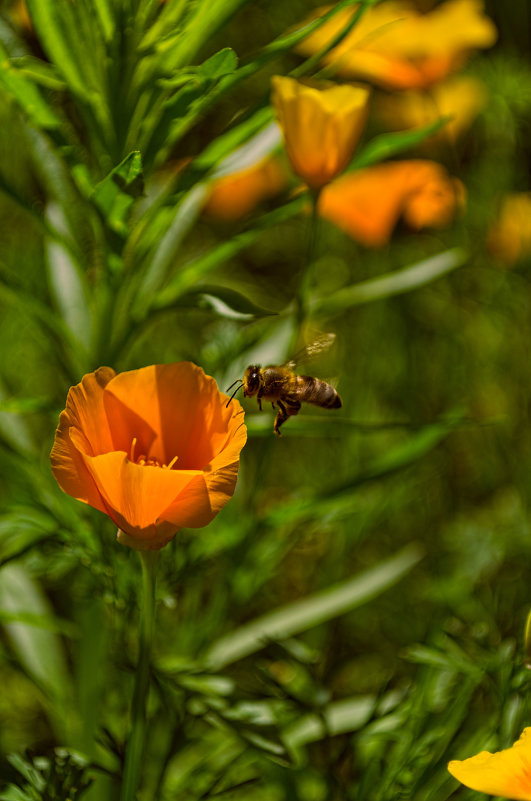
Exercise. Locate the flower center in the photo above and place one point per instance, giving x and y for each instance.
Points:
(143, 459)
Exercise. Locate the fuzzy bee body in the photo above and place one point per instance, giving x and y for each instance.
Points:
(283, 388)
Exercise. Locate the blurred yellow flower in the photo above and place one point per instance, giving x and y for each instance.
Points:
(397, 47)
(461, 97)
(321, 124)
(505, 773)
(233, 196)
(368, 203)
(510, 236)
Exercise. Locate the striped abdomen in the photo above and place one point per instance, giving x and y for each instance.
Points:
(313, 390)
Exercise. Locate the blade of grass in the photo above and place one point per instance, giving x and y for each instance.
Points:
(309, 612)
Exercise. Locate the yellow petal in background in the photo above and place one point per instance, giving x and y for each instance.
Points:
(461, 97)
(506, 773)
(509, 238)
(321, 125)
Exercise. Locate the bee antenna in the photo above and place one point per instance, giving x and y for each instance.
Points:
(231, 386)
(233, 394)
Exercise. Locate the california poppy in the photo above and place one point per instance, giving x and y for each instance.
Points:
(156, 449)
(368, 203)
(506, 773)
(396, 47)
(321, 125)
(234, 195)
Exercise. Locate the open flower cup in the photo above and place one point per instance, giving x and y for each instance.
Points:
(156, 449)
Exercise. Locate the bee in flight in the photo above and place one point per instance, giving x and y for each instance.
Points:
(283, 388)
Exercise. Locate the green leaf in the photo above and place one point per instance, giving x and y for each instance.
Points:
(21, 529)
(39, 651)
(309, 612)
(396, 283)
(390, 144)
(39, 72)
(67, 281)
(221, 63)
(162, 259)
(224, 301)
(48, 17)
(24, 405)
(26, 94)
(115, 195)
(340, 717)
(395, 459)
(104, 10)
(196, 270)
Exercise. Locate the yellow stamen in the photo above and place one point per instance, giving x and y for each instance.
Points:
(133, 446)
(172, 462)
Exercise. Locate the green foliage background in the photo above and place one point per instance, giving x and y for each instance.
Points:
(354, 617)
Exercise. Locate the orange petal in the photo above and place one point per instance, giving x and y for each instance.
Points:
(506, 773)
(235, 195)
(136, 494)
(182, 405)
(368, 203)
(85, 408)
(70, 470)
(85, 414)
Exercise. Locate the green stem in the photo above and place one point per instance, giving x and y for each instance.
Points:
(135, 742)
(303, 293)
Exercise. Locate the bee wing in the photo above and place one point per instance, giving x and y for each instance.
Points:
(312, 350)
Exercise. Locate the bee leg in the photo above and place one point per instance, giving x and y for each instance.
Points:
(282, 416)
(259, 403)
(273, 406)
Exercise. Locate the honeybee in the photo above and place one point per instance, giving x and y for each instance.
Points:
(283, 388)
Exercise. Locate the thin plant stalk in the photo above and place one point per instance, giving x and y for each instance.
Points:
(302, 299)
(137, 734)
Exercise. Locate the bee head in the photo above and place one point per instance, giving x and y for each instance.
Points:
(251, 380)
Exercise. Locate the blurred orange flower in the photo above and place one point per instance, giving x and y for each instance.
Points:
(321, 124)
(156, 449)
(237, 194)
(510, 236)
(461, 97)
(397, 47)
(506, 773)
(368, 203)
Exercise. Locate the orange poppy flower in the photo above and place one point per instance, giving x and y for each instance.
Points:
(321, 124)
(396, 47)
(156, 449)
(368, 203)
(237, 194)
(506, 773)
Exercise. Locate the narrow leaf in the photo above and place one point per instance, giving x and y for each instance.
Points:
(115, 195)
(309, 612)
(391, 144)
(396, 283)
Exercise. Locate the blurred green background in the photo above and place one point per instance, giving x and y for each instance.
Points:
(411, 502)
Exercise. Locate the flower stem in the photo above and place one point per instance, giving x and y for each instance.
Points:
(135, 743)
(302, 297)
